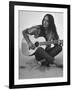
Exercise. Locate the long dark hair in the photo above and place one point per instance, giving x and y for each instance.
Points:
(52, 25)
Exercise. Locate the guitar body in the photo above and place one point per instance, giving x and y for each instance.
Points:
(34, 40)
(25, 48)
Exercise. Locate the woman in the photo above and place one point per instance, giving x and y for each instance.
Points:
(48, 31)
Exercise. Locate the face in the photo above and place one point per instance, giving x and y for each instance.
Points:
(46, 22)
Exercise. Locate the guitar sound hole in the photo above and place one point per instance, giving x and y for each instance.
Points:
(37, 44)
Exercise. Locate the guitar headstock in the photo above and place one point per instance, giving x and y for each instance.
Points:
(58, 42)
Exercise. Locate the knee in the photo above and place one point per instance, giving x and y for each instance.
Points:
(39, 49)
(38, 53)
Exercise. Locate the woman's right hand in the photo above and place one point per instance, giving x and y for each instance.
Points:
(31, 45)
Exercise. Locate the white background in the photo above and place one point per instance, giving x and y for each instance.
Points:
(4, 45)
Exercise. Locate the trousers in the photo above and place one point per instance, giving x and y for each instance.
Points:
(48, 54)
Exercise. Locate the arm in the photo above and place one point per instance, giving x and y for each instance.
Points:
(25, 35)
(30, 31)
(35, 30)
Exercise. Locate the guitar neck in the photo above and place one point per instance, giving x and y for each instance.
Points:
(51, 42)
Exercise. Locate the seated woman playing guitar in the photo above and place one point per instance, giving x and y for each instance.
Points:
(48, 31)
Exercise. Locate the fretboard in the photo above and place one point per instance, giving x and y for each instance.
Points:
(51, 42)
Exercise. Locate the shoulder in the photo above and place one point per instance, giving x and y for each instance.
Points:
(37, 27)
(33, 29)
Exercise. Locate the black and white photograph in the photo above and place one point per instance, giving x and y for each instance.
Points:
(40, 44)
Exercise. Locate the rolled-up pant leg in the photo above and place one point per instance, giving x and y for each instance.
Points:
(54, 51)
(42, 54)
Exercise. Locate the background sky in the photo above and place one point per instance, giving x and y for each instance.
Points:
(31, 18)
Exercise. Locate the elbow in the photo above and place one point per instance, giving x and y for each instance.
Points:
(24, 32)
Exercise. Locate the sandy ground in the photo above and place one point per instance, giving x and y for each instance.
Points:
(28, 68)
